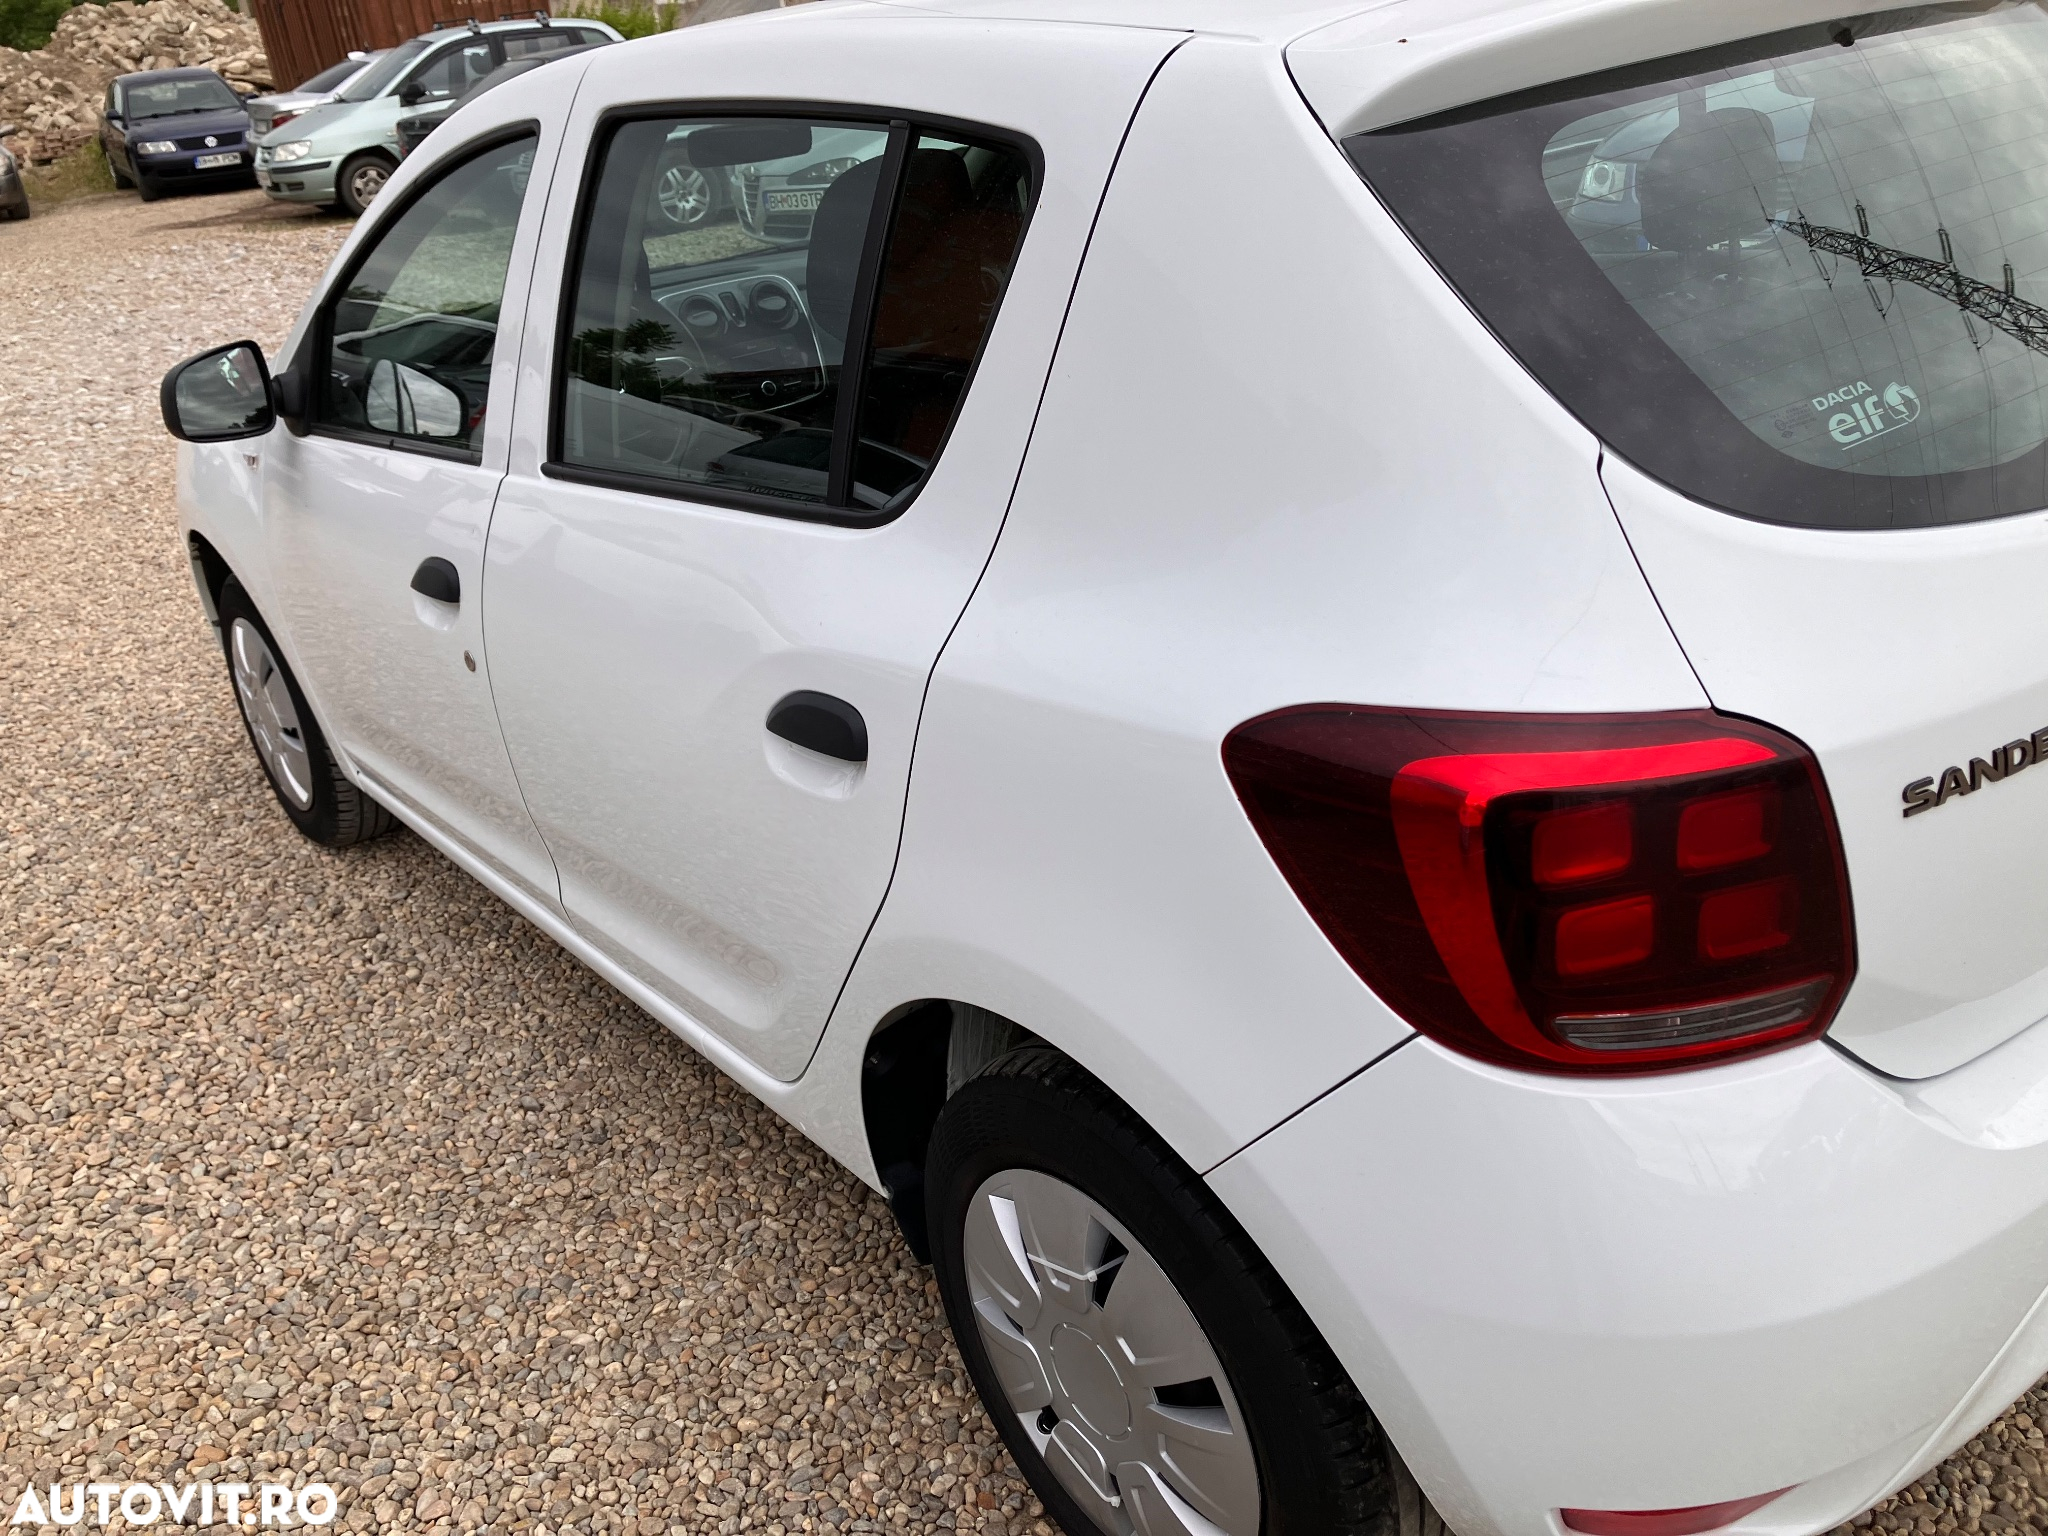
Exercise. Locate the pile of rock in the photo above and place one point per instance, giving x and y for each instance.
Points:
(53, 95)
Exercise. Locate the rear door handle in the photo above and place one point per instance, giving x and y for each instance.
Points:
(821, 723)
(438, 579)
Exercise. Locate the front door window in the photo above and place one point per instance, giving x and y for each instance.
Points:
(409, 340)
(450, 74)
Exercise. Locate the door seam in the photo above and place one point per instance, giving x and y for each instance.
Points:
(483, 637)
(1024, 458)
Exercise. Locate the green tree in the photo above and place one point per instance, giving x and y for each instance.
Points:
(29, 23)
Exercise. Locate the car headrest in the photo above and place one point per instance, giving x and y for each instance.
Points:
(838, 231)
(1711, 181)
(936, 190)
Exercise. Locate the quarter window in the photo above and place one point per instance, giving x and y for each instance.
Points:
(414, 328)
(955, 236)
(736, 312)
(525, 45)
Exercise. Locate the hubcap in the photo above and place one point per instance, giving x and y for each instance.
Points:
(1104, 1364)
(273, 720)
(684, 194)
(367, 181)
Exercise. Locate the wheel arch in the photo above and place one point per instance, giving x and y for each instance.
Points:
(210, 573)
(917, 1057)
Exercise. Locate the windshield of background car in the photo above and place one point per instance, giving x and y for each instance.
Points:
(1803, 279)
(374, 80)
(170, 98)
(333, 75)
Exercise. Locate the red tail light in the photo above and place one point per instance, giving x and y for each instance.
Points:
(281, 119)
(1692, 1521)
(1563, 893)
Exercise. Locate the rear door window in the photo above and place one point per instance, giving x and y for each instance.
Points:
(1804, 278)
(804, 343)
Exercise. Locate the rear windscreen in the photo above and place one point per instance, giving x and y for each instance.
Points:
(1804, 278)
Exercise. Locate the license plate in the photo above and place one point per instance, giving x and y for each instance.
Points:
(214, 162)
(263, 178)
(792, 202)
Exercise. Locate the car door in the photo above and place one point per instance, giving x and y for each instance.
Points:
(376, 515)
(113, 132)
(711, 615)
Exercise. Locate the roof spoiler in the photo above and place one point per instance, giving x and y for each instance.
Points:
(1391, 65)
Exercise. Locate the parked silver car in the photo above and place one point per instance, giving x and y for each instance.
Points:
(342, 153)
(13, 195)
(280, 107)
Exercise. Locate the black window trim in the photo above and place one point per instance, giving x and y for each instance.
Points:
(322, 337)
(903, 127)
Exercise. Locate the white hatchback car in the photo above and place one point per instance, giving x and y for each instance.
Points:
(1391, 790)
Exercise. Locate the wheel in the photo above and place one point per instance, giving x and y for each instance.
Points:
(19, 211)
(1070, 1241)
(148, 189)
(122, 180)
(683, 196)
(360, 179)
(310, 785)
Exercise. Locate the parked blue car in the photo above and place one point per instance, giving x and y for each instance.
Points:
(164, 129)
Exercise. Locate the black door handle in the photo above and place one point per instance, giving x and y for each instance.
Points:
(822, 723)
(438, 579)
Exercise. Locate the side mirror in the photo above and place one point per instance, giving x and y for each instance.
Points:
(219, 396)
(412, 93)
(288, 395)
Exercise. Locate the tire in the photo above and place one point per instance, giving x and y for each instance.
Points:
(360, 179)
(1255, 1405)
(147, 189)
(684, 197)
(318, 797)
(19, 211)
(123, 182)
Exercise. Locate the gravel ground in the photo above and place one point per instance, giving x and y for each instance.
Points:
(327, 1166)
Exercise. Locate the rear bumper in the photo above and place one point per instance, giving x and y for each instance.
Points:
(1671, 1291)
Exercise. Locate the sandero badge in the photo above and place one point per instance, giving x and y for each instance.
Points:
(2022, 752)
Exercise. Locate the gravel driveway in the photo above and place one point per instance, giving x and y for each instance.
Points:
(327, 1165)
